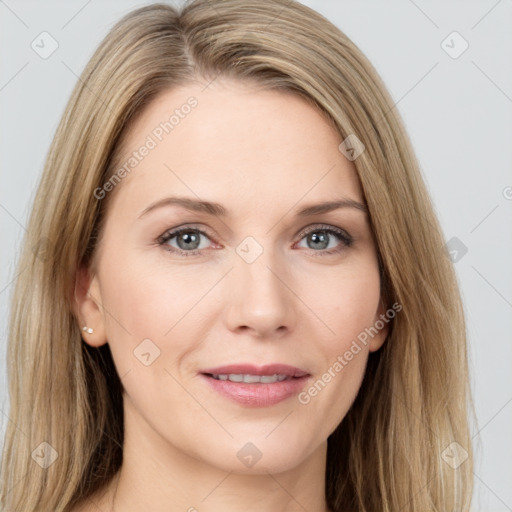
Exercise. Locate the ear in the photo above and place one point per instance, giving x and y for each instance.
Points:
(87, 306)
(381, 324)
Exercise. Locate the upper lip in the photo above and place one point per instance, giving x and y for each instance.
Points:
(250, 369)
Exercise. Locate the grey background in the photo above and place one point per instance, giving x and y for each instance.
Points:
(458, 112)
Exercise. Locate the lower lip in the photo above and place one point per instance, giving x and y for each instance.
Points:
(257, 394)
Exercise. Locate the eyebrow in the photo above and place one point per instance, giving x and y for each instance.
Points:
(217, 210)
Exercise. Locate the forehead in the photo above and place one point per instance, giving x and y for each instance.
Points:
(234, 142)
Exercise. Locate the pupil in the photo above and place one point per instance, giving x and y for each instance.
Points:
(320, 239)
(188, 237)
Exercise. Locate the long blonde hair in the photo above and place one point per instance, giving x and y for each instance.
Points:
(388, 452)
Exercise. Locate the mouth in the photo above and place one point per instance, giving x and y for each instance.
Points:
(250, 373)
(251, 379)
(253, 386)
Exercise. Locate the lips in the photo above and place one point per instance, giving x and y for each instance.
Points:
(256, 395)
(262, 386)
(249, 369)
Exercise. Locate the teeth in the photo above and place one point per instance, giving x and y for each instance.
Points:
(250, 379)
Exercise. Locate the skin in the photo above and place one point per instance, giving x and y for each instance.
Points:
(262, 155)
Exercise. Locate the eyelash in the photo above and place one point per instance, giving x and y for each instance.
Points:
(342, 235)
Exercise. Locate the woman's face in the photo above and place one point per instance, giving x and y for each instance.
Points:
(256, 285)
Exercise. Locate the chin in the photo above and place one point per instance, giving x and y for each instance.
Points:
(257, 455)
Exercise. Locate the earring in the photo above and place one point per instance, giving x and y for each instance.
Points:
(87, 329)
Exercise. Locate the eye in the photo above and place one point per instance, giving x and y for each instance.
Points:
(322, 236)
(188, 240)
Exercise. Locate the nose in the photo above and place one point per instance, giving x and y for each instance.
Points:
(259, 297)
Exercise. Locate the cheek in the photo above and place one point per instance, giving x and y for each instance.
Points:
(169, 305)
(348, 303)
(344, 348)
(139, 303)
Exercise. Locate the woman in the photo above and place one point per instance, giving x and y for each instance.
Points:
(236, 292)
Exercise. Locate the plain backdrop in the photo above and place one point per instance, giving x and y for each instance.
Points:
(457, 106)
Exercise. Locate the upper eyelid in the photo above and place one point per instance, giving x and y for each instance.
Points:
(174, 231)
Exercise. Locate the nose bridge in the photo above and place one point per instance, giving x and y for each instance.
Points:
(260, 268)
(262, 299)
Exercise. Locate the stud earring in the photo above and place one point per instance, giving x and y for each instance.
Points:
(87, 329)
